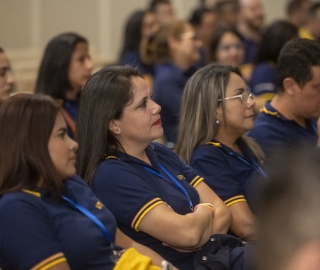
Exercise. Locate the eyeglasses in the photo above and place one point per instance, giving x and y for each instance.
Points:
(248, 97)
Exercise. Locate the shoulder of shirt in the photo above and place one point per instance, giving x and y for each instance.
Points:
(12, 199)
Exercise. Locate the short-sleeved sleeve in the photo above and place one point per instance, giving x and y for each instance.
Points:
(218, 174)
(115, 179)
(27, 237)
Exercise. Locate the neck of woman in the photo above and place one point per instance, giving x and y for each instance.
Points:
(228, 140)
(137, 152)
(181, 62)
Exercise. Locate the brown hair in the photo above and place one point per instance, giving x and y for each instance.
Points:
(103, 99)
(26, 123)
(157, 48)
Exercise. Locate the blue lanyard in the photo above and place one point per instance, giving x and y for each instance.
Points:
(255, 165)
(174, 180)
(91, 216)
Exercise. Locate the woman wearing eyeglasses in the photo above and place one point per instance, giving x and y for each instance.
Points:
(216, 112)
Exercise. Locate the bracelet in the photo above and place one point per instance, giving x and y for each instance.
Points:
(165, 265)
(208, 205)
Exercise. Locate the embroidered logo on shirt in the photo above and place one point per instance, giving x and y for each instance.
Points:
(99, 205)
(181, 177)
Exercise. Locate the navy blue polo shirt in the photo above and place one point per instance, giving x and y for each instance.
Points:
(233, 177)
(131, 191)
(133, 58)
(37, 232)
(264, 79)
(168, 87)
(273, 132)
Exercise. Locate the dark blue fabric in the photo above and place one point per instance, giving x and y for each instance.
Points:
(72, 108)
(35, 228)
(168, 87)
(133, 58)
(227, 175)
(250, 50)
(263, 79)
(276, 133)
(126, 188)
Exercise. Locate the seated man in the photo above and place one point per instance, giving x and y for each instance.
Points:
(289, 120)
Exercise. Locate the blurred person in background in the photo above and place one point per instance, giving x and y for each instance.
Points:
(176, 53)
(163, 10)
(311, 29)
(204, 21)
(141, 25)
(251, 19)
(228, 12)
(288, 224)
(208, 3)
(6, 77)
(65, 68)
(297, 11)
(263, 83)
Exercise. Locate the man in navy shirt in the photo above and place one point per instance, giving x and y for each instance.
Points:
(289, 120)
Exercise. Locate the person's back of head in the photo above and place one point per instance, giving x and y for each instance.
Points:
(53, 77)
(273, 39)
(296, 59)
(297, 11)
(288, 214)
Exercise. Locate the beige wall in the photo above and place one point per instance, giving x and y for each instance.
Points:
(27, 25)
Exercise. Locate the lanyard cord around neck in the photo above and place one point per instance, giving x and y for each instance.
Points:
(253, 164)
(173, 179)
(91, 216)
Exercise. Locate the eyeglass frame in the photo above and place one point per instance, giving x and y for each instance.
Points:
(250, 96)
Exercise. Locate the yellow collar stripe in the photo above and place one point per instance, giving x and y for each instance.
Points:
(34, 193)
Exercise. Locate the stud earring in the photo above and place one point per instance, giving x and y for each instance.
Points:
(117, 130)
(218, 122)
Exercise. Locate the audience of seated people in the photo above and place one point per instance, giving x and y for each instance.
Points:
(65, 68)
(50, 218)
(201, 87)
(263, 83)
(216, 111)
(151, 192)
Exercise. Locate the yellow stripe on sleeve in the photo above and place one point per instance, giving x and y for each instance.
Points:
(235, 199)
(196, 182)
(51, 261)
(143, 211)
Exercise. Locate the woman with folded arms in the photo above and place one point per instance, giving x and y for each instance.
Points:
(50, 219)
(157, 200)
(216, 112)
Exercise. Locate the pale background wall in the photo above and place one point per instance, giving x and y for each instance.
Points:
(27, 25)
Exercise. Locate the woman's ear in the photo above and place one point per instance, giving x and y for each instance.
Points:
(114, 127)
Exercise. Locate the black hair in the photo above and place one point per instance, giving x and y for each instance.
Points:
(294, 5)
(154, 4)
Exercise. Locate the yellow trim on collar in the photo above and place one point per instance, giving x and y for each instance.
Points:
(34, 193)
(264, 110)
(111, 157)
(217, 144)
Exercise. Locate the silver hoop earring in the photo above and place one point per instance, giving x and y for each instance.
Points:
(218, 122)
